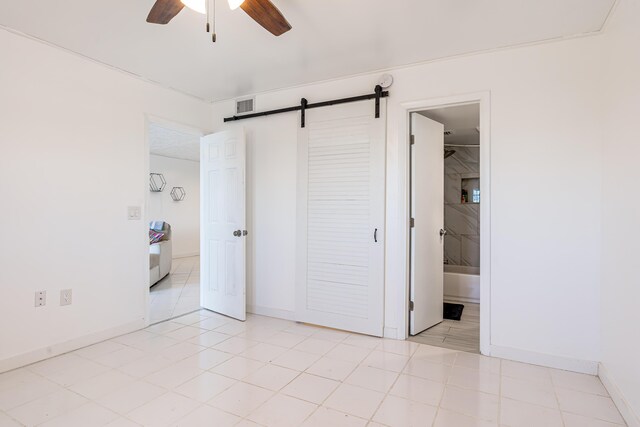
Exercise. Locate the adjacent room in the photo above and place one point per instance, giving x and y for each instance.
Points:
(283, 213)
(174, 221)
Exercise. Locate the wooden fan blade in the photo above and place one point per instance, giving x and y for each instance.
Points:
(163, 11)
(267, 15)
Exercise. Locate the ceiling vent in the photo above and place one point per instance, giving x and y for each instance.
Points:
(245, 106)
(448, 132)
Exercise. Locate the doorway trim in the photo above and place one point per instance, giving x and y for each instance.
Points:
(484, 100)
(169, 124)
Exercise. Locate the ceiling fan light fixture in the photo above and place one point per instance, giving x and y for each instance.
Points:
(197, 5)
(234, 4)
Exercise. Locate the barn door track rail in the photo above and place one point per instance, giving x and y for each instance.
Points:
(304, 105)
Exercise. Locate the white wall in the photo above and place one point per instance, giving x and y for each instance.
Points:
(546, 179)
(621, 210)
(73, 157)
(183, 216)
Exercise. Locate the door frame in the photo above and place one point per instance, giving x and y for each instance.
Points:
(404, 126)
(169, 124)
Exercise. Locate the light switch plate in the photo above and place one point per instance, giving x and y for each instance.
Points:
(65, 297)
(134, 213)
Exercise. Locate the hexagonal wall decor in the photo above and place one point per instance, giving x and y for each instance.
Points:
(157, 182)
(178, 194)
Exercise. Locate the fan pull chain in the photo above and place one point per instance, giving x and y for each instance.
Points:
(208, 13)
(213, 16)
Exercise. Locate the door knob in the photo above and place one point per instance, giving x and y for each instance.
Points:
(237, 233)
(443, 232)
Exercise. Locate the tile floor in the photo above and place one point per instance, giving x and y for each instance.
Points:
(203, 369)
(178, 293)
(463, 335)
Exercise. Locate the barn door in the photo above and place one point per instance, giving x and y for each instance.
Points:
(340, 227)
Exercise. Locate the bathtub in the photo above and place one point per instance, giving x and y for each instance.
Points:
(462, 283)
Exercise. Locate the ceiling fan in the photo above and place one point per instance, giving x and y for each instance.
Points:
(262, 11)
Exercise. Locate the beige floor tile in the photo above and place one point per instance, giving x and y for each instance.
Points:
(207, 416)
(241, 399)
(399, 412)
(324, 417)
(282, 411)
(237, 367)
(89, 414)
(531, 392)
(205, 386)
(472, 403)
(332, 368)
(47, 407)
(311, 388)
(418, 389)
(475, 380)
(520, 414)
(133, 395)
(372, 378)
(447, 418)
(428, 370)
(590, 405)
(271, 377)
(163, 410)
(354, 400)
(296, 360)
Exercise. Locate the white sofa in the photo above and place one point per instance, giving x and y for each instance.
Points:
(160, 256)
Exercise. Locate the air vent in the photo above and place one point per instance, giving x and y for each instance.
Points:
(244, 106)
(448, 132)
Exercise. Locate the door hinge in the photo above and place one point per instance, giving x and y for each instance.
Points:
(410, 305)
(412, 222)
(412, 139)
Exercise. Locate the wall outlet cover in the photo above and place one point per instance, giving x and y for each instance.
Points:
(65, 297)
(40, 298)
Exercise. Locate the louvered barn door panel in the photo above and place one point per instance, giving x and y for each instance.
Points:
(340, 276)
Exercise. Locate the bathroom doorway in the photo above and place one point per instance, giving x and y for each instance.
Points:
(445, 236)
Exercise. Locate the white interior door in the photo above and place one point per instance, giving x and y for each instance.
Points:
(222, 217)
(427, 210)
(340, 227)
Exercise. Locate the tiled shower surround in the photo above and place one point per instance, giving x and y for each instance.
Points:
(461, 220)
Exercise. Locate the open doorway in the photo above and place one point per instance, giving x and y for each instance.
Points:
(173, 214)
(445, 231)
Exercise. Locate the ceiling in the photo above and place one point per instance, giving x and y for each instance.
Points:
(330, 38)
(462, 121)
(173, 143)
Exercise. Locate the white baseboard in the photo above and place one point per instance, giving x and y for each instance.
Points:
(632, 419)
(71, 345)
(271, 312)
(187, 255)
(548, 360)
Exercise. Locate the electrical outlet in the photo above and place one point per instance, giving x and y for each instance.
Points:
(65, 297)
(41, 298)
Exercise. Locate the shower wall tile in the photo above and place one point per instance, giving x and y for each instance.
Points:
(452, 188)
(462, 219)
(464, 160)
(452, 249)
(470, 254)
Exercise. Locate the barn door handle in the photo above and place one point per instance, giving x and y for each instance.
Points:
(375, 235)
